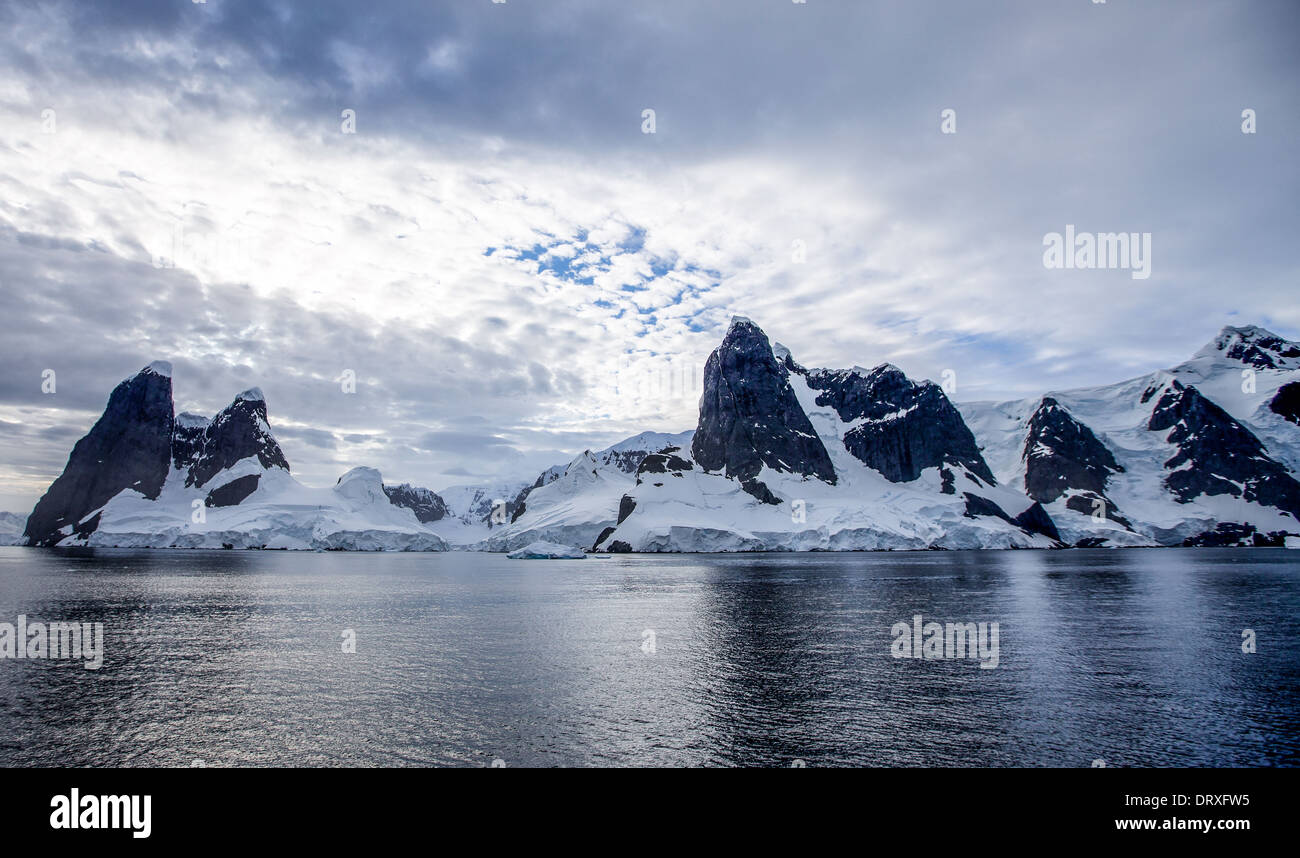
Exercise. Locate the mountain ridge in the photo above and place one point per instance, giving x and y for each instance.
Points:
(783, 457)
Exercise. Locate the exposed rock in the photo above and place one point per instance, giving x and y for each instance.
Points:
(749, 415)
(188, 435)
(233, 492)
(1217, 455)
(1230, 534)
(238, 432)
(663, 462)
(1286, 402)
(604, 534)
(1034, 520)
(1257, 347)
(625, 508)
(759, 489)
(903, 427)
(1090, 503)
(129, 447)
(1060, 453)
(426, 505)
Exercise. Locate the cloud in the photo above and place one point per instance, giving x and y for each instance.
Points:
(513, 271)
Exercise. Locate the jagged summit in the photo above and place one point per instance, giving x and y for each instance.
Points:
(1253, 345)
(783, 458)
(895, 425)
(129, 447)
(240, 431)
(749, 415)
(1062, 456)
(160, 367)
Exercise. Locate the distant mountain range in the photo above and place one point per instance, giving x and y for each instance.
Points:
(783, 458)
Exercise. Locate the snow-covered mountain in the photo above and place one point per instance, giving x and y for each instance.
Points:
(783, 457)
(1203, 453)
(788, 458)
(143, 478)
(11, 528)
(573, 503)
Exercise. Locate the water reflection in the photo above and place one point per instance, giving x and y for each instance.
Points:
(235, 658)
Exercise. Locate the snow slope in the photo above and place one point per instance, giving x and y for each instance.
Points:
(673, 504)
(354, 514)
(1233, 371)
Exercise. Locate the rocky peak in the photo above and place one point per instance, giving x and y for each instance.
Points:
(129, 447)
(1254, 346)
(1060, 453)
(901, 427)
(749, 415)
(1217, 455)
(239, 431)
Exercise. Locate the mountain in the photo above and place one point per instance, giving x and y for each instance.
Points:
(750, 418)
(1196, 455)
(783, 458)
(128, 449)
(899, 427)
(788, 458)
(239, 432)
(11, 528)
(575, 503)
(142, 478)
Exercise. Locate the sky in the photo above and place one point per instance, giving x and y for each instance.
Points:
(465, 207)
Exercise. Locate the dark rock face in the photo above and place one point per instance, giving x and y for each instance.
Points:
(1256, 346)
(426, 505)
(618, 546)
(626, 461)
(906, 427)
(240, 431)
(128, 447)
(1286, 402)
(759, 489)
(663, 462)
(1091, 503)
(749, 416)
(188, 434)
(604, 534)
(1231, 534)
(1061, 453)
(1034, 520)
(515, 508)
(977, 506)
(233, 492)
(626, 506)
(1217, 455)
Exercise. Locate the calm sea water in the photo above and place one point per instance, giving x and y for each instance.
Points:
(236, 658)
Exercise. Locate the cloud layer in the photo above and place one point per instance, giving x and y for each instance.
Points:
(512, 270)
